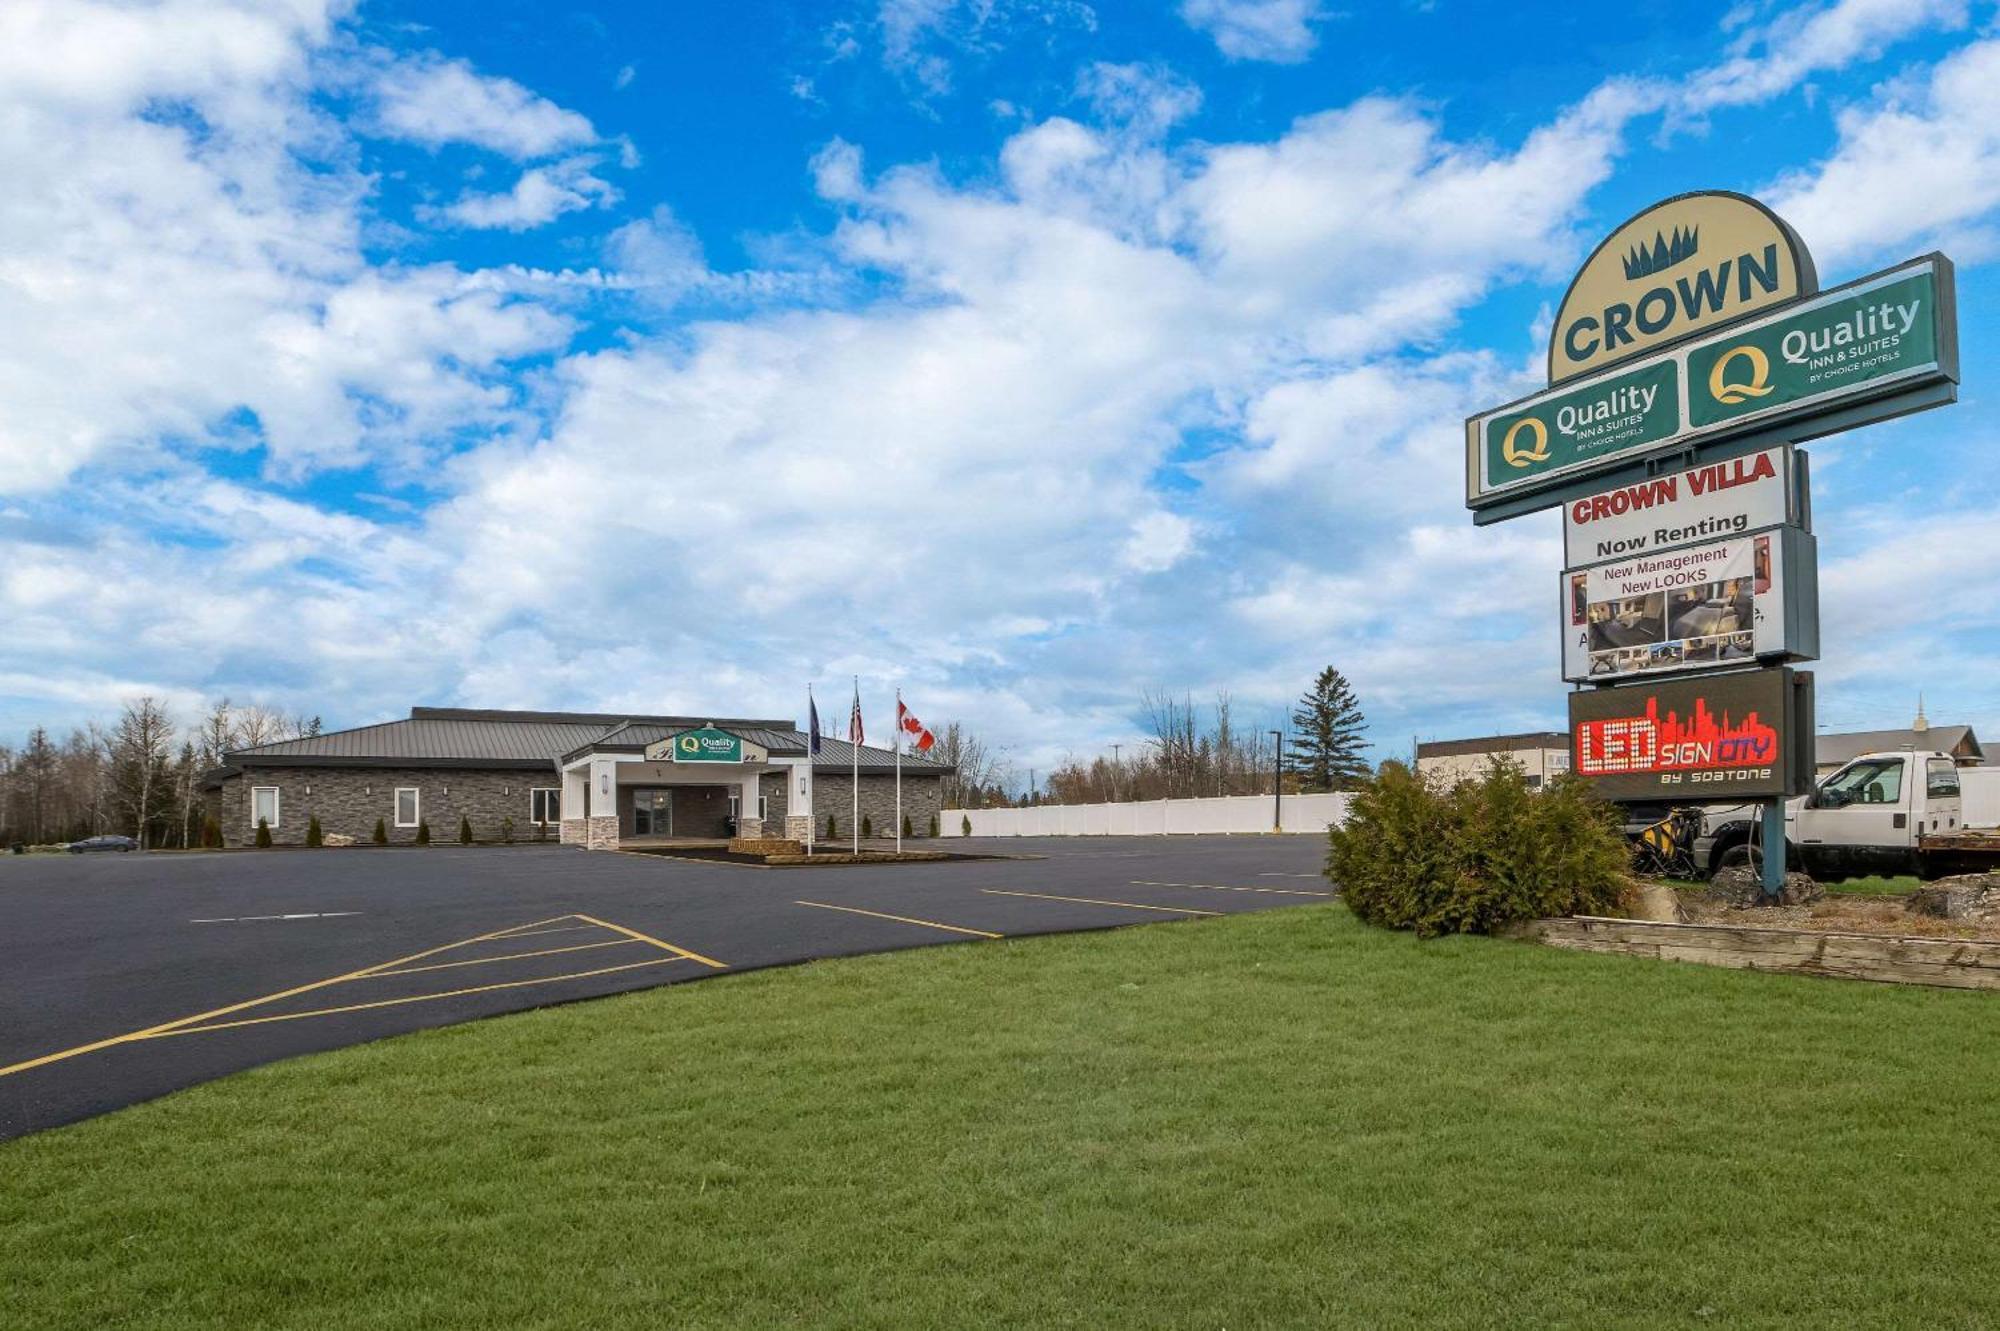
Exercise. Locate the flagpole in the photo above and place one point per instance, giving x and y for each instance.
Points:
(812, 740)
(898, 741)
(854, 781)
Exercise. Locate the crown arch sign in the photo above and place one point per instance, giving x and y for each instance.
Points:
(1685, 264)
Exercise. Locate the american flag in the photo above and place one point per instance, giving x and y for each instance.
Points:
(813, 707)
(855, 734)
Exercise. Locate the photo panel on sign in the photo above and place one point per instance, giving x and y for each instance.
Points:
(1700, 606)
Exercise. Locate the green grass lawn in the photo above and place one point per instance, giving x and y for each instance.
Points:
(1284, 1119)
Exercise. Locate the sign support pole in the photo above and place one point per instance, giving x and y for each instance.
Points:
(1772, 835)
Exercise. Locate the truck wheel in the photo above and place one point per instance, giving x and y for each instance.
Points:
(1742, 855)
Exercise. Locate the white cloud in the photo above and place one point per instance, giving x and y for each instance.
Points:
(1771, 58)
(1275, 30)
(539, 196)
(435, 101)
(1920, 166)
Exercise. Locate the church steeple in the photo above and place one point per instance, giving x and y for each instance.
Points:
(1922, 723)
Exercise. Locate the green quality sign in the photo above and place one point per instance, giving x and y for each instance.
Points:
(1834, 346)
(707, 745)
(1562, 431)
(1860, 353)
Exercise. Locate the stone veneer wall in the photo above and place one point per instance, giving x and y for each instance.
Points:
(922, 797)
(349, 800)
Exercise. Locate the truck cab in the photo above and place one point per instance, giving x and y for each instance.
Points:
(1872, 816)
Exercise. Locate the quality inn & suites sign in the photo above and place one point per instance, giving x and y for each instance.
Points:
(705, 744)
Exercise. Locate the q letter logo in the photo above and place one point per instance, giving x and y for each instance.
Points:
(1538, 451)
(1760, 374)
(689, 744)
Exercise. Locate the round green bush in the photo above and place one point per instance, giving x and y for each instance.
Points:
(1479, 855)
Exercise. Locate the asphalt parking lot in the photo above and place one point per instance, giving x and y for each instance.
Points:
(124, 977)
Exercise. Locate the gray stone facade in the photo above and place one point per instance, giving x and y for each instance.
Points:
(923, 796)
(348, 800)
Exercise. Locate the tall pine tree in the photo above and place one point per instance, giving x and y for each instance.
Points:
(1327, 728)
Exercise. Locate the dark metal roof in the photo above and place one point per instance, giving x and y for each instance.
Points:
(1458, 748)
(466, 737)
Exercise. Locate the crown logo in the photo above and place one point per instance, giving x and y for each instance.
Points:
(1643, 261)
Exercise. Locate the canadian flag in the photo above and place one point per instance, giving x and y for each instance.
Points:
(906, 721)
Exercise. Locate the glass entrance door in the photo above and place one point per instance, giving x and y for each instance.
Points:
(652, 813)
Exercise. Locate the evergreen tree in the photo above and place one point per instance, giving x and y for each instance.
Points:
(423, 833)
(381, 833)
(1328, 728)
(263, 834)
(464, 830)
(315, 836)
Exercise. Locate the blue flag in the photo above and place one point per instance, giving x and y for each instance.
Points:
(813, 707)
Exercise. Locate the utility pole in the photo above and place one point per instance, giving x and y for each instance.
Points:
(1115, 770)
(1278, 781)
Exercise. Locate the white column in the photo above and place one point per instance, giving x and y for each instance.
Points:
(602, 831)
(574, 782)
(748, 824)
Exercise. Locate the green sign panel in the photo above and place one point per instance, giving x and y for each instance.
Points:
(1564, 430)
(1833, 347)
(707, 745)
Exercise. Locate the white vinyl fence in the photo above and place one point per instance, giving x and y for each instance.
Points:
(1979, 792)
(1230, 813)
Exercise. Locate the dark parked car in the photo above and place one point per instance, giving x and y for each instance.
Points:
(102, 843)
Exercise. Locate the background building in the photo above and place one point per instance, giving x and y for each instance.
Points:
(1542, 754)
(585, 778)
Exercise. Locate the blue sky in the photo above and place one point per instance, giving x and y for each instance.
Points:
(1029, 354)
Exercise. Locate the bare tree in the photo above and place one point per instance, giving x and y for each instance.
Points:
(138, 751)
(258, 724)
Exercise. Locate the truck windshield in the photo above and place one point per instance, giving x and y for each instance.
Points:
(1874, 781)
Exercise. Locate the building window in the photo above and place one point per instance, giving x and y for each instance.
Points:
(264, 805)
(408, 806)
(545, 804)
(763, 805)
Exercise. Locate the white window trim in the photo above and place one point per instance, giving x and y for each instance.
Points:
(396, 806)
(276, 805)
(552, 794)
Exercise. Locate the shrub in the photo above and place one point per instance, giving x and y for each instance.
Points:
(381, 837)
(263, 834)
(464, 829)
(315, 836)
(832, 827)
(965, 824)
(906, 826)
(867, 826)
(507, 829)
(542, 830)
(1483, 854)
(211, 832)
(934, 826)
(423, 832)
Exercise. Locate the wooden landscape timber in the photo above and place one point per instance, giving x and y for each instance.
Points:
(1951, 963)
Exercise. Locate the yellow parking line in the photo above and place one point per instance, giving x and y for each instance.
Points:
(559, 929)
(1099, 901)
(1225, 887)
(509, 956)
(415, 998)
(150, 1031)
(663, 946)
(904, 919)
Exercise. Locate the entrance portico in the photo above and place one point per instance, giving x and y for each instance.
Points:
(644, 781)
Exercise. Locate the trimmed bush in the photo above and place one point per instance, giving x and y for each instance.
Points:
(542, 830)
(906, 826)
(211, 833)
(423, 832)
(965, 824)
(263, 834)
(1482, 854)
(381, 837)
(464, 830)
(934, 825)
(867, 827)
(507, 830)
(832, 827)
(315, 836)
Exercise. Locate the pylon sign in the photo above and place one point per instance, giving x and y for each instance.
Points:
(1694, 347)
